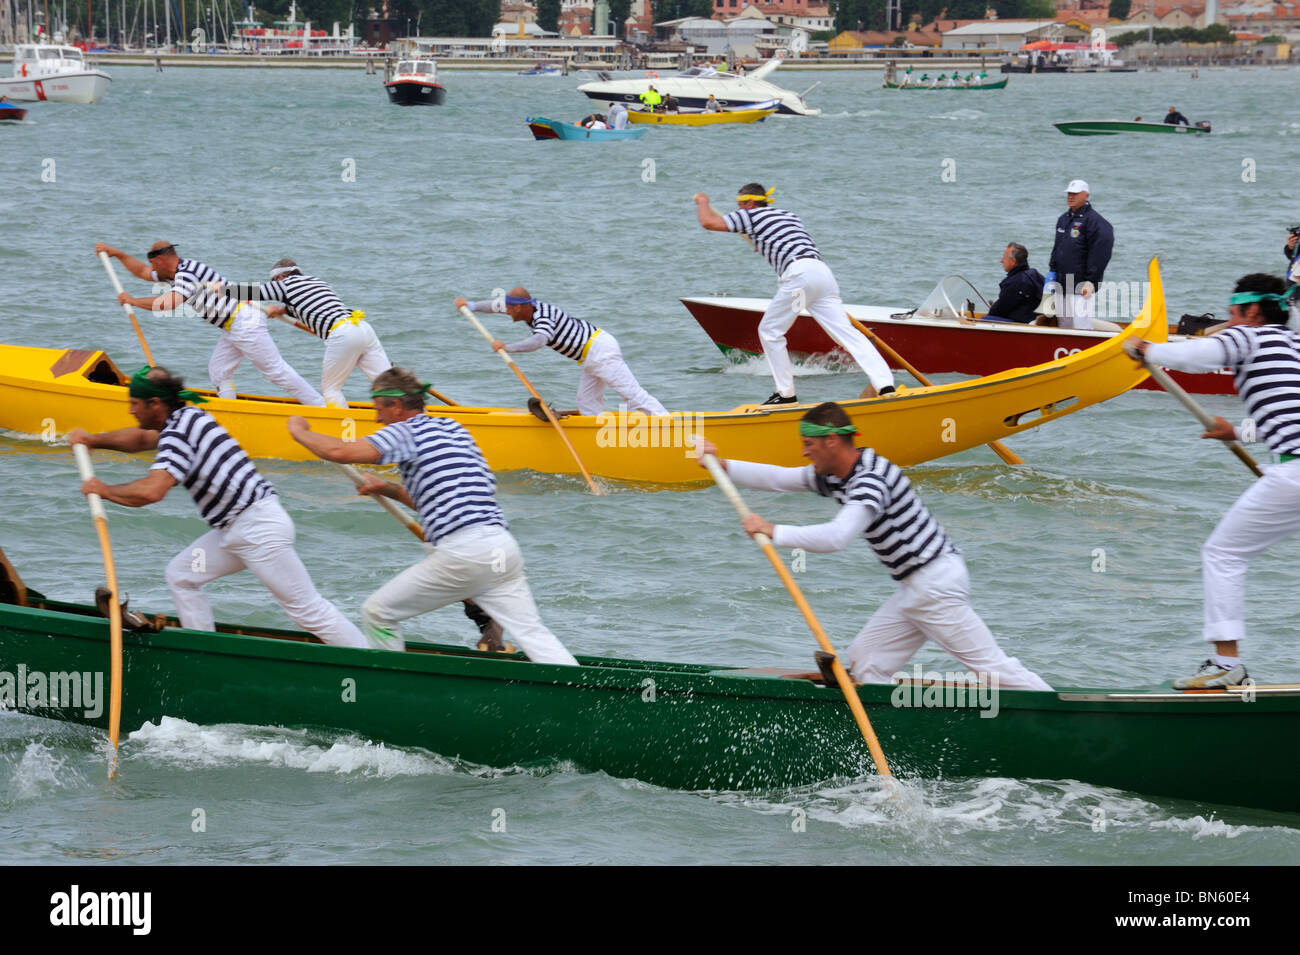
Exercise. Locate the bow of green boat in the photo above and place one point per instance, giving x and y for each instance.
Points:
(680, 725)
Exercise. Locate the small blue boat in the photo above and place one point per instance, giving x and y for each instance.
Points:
(543, 128)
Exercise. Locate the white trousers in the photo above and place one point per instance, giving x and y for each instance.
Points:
(481, 563)
(933, 603)
(1268, 512)
(603, 368)
(350, 346)
(247, 337)
(1074, 310)
(261, 540)
(809, 284)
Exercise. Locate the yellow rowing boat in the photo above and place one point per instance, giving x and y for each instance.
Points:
(699, 119)
(46, 392)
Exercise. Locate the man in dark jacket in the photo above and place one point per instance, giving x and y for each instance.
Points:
(1022, 289)
(1084, 241)
(1175, 118)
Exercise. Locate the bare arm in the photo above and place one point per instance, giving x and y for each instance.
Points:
(129, 440)
(140, 270)
(707, 215)
(380, 488)
(330, 448)
(149, 489)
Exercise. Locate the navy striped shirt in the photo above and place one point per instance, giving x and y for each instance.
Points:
(444, 472)
(778, 234)
(205, 460)
(305, 298)
(1266, 359)
(190, 280)
(567, 335)
(903, 533)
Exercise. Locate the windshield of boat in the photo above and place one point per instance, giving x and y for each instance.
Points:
(61, 53)
(952, 298)
(706, 72)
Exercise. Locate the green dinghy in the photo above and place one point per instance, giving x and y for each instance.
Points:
(1112, 127)
(679, 725)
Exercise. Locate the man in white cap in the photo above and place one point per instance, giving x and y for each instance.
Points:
(1084, 241)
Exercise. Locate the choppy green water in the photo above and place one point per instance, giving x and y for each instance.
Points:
(240, 168)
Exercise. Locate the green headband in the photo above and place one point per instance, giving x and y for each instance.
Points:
(810, 430)
(141, 387)
(1246, 298)
(424, 389)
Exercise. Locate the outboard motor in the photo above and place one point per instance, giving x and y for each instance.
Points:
(1203, 125)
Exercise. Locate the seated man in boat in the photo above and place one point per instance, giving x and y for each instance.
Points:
(243, 324)
(1265, 357)
(712, 105)
(593, 348)
(806, 283)
(1020, 292)
(877, 503)
(1175, 118)
(447, 482)
(350, 342)
(670, 104)
(594, 121)
(250, 530)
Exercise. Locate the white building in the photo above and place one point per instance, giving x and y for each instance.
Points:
(1005, 34)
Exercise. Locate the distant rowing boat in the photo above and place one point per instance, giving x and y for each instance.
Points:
(644, 117)
(987, 85)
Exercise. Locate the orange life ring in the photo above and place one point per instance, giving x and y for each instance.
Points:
(24, 71)
(650, 75)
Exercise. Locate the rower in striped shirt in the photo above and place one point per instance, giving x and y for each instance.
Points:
(1265, 356)
(243, 324)
(595, 349)
(250, 530)
(447, 482)
(877, 503)
(350, 341)
(806, 283)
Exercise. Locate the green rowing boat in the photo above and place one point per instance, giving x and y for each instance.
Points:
(986, 85)
(1111, 127)
(684, 726)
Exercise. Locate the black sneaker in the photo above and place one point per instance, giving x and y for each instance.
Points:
(780, 399)
(887, 390)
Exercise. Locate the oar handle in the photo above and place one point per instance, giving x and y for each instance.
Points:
(1168, 384)
(720, 477)
(387, 504)
(87, 471)
(130, 312)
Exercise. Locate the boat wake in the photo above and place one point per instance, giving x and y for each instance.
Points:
(179, 743)
(756, 365)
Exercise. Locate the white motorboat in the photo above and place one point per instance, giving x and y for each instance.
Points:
(692, 89)
(56, 73)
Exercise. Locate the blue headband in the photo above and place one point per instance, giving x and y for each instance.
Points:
(520, 300)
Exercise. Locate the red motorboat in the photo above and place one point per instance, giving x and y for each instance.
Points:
(415, 83)
(11, 113)
(946, 333)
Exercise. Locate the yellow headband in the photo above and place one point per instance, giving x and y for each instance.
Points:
(766, 197)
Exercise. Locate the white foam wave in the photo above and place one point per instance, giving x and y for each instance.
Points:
(40, 772)
(757, 366)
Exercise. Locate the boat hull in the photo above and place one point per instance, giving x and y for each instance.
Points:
(415, 93)
(699, 119)
(46, 391)
(683, 726)
(540, 125)
(931, 346)
(1113, 127)
(87, 87)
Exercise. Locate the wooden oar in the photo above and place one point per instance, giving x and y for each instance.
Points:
(846, 685)
(550, 415)
(998, 448)
(130, 312)
(82, 455)
(1168, 384)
